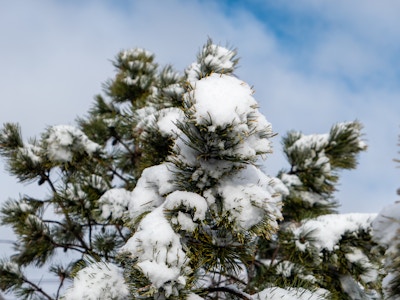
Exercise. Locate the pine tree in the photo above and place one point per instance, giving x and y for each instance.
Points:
(78, 165)
(316, 247)
(159, 194)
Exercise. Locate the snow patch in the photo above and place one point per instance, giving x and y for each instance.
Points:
(98, 281)
(327, 230)
(64, 140)
(114, 203)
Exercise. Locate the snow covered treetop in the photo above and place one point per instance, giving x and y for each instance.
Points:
(318, 156)
(212, 59)
(223, 121)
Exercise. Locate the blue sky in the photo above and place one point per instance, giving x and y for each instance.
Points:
(312, 64)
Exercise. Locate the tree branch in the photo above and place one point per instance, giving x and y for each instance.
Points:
(37, 288)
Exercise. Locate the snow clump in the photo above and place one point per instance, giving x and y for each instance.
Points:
(64, 140)
(114, 203)
(98, 281)
(327, 230)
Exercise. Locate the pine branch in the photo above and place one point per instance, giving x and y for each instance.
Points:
(37, 288)
(120, 233)
(59, 287)
(65, 212)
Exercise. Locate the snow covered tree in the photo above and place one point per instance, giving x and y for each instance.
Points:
(316, 247)
(78, 166)
(159, 195)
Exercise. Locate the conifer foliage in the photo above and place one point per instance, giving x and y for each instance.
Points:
(386, 232)
(158, 194)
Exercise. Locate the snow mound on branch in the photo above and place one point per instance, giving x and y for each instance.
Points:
(314, 145)
(249, 196)
(315, 141)
(216, 58)
(225, 100)
(223, 106)
(154, 183)
(114, 203)
(64, 140)
(221, 57)
(189, 201)
(327, 230)
(31, 151)
(159, 252)
(164, 121)
(98, 281)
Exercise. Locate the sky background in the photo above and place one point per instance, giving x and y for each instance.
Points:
(312, 64)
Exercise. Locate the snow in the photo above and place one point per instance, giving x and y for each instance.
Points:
(327, 230)
(98, 281)
(358, 257)
(193, 296)
(23, 206)
(249, 196)
(312, 198)
(11, 267)
(276, 293)
(135, 52)
(31, 151)
(157, 246)
(74, 192)
(217, 58)
(114, 203)
(64, 140)
(224, 99)
(160, 273)
(290, 180)
(163, 120)
(221, 57)
(166, 120)
(387, 227)
(285, 268)
(314, 141)
(221, 99)
(189, 201)
(154, 183)
(193, 72)
(355, 132)
(155, 233)
(223, 102)
(140, 67)
(313, 145)
(173, 89)
(185, 222)
(159, 251)
(386, 232)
